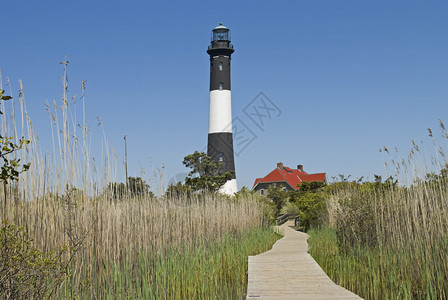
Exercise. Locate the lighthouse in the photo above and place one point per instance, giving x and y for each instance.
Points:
(220, 140)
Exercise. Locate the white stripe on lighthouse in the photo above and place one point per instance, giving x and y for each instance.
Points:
(229, 188)
(220, 117)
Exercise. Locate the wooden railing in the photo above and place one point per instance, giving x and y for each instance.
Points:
(281, 219)
(285, 217)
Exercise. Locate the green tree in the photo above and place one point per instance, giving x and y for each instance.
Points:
(138, 187)
(178, 190)
(244, 192)
(277, 195)
(205, 174)
(437, 179)
(115, 190)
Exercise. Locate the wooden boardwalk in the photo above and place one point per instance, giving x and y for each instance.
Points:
(287, 271)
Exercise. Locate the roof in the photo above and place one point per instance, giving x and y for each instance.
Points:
(313, 177)
(292, 177)
(220, 26)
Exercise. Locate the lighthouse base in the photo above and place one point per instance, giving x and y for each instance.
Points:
(229, 188)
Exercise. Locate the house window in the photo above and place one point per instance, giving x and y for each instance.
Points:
(221, 86)
(220, 66)
(262, 192)
(284, 189)
(221, 157)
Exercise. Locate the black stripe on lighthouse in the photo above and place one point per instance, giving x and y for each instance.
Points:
(220, 149)
(220, 140)
(220, 73)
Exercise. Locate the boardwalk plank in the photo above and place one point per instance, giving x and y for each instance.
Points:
(287, 272)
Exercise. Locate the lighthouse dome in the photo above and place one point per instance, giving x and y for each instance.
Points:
(220, 26)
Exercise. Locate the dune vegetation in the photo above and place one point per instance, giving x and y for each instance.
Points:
(66, 234)
(389, 240)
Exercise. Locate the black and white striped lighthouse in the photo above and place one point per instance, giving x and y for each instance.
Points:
(220, 140)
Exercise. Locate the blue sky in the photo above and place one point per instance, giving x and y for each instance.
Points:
(347, 76)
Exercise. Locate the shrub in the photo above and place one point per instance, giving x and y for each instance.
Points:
(312, 209)
(290, 209)
(26, 272)
(269, 211)
(311, 203)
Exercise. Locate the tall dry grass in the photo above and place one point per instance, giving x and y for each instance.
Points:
(390, 240)
(62, 202)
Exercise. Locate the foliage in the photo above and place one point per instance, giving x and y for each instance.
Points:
(438, 180)
(310, 202)
(356, 209)
(116, 190)
(270, 211)
(205, 174)
(290, 208)
(313, 186)
(137, 187)
(179, 190)
(277, 195)
(10, 167)
(26, 272)
(244, 192)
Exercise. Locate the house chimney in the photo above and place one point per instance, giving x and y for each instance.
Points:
(300, 167)
(280, 165)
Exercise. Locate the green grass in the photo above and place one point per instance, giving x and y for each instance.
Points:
(381, 272)
(214, 271)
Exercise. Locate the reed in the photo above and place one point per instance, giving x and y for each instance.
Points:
(213, 271)
(389, 240)
(142, 247)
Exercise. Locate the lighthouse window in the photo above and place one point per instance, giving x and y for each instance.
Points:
(221, 157)
(220, 66)
(221, 86)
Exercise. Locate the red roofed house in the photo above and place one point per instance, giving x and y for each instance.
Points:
(290, 179)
